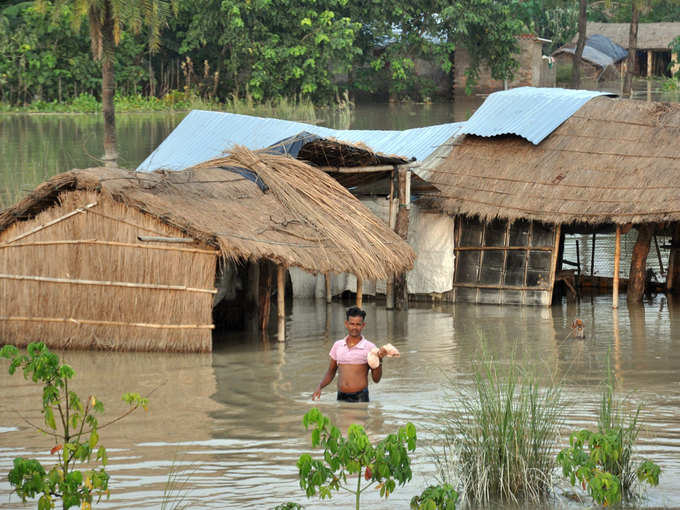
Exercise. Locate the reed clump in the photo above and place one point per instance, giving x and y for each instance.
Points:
(498, 436)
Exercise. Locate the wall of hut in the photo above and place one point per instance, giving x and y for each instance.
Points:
(533, 70)
(88, 282)
(588, 70)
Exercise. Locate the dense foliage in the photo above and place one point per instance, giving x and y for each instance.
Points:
(261, 49)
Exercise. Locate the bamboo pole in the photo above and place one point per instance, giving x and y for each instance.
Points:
(53, 222)
(617, 264)
(281, 301)
(360, 292)
(356, 169)
(105, 283)
(554, 262)
(658, 254)
(91, 322)
(157, 239)
(109, 243)
(389, 283)
(329, 293)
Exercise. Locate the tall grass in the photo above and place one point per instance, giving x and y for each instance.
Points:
(499, 436)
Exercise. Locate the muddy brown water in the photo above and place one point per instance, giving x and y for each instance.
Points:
(228, 424)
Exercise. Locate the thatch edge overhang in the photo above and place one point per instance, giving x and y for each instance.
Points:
(615, 161)
(378, 258)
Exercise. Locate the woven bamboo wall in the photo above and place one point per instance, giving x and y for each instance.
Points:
(98, 310)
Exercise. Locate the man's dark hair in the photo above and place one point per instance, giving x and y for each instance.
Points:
(355, 311)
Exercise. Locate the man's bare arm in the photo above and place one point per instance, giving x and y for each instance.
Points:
(327, 378)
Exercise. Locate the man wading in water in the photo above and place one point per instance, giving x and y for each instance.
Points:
(350, 355)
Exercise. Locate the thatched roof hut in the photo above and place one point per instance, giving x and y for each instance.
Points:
(107, 258)
(651, 36)
(614, 162)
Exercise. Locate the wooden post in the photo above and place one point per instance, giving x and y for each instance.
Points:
(281, 301)
(264, 293)
(617, 264)
(401, 228)
(329, 293)
(360, 292)
(592, 257)
(673, 274)
(650, 61)
(252, 296)
(558, 242)
(389, 283)
(637, 275)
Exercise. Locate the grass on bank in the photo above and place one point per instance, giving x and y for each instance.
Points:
(301, 110)
(499, 436)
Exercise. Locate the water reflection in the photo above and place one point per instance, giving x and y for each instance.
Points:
(230, 421)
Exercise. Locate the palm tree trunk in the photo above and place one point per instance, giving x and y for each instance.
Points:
(578, 54)
(108, 88)
(632, 49)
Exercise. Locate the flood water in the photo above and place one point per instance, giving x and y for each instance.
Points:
(229, 423)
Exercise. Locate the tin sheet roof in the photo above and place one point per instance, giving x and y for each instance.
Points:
(529, 112)
(204, 135)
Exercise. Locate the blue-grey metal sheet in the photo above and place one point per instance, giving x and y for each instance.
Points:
(592, 55)
(204, 135)
(532, 113)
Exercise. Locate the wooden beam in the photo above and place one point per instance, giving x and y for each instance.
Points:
(553, 261)
(617, 265)
(264, 293)
(360, 292)
(281, 301)
(156, 239)
(503, 248)
(108, 243)
(389, 283)
(356, 169)
(91, 322)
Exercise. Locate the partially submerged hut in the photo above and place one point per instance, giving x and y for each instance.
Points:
(602, 56)
(112, 259)
(379, 167)
(517, 183)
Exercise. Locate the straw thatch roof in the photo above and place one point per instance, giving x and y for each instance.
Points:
(651, 36)
(614, 161)
(301, 216)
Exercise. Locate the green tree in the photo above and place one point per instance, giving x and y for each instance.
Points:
(73, 425)
(106, 19)
(488, 30)
(273, 49)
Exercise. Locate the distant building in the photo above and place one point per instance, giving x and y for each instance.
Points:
(602, 57)
(534, 70)
(654, 56)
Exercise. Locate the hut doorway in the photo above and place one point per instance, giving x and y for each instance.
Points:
(503, 262)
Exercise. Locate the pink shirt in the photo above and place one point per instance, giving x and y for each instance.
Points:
(356, 355)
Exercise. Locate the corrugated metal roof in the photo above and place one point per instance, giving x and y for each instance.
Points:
(204, 135)
(529, 112)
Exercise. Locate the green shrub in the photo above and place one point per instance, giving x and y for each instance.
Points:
(602, 461)
(384, 464)
(436, 497)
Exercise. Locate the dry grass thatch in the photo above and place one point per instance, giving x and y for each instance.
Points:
(334, 153)
(305, 219)
(614, 161)
(651, 36)
(86, 282)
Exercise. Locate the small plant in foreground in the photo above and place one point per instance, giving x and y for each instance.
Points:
(75, 429)
(436, 497)
(498, 436)
(384, 464)
(288, 506)
(602, 461)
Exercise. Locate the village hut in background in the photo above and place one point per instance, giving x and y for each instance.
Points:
(110, 259)
(603, 58)
(654, 55)
(517, 184)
